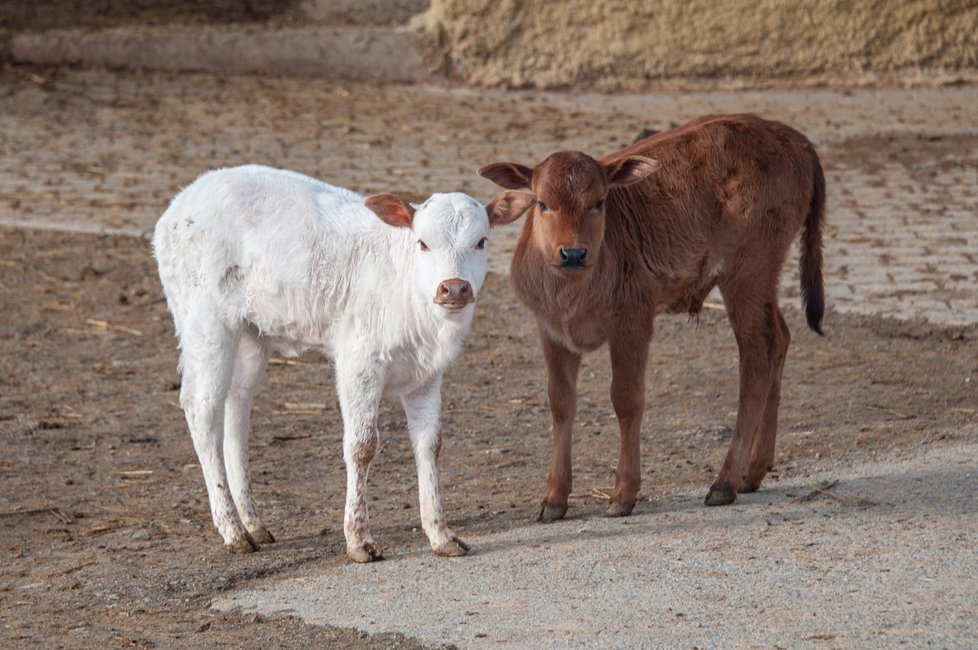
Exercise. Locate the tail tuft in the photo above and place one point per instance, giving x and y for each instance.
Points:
(810, 264)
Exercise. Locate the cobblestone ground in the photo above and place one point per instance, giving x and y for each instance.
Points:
(103, 151)
(905, 232)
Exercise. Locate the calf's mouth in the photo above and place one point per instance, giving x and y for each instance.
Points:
(454, 308)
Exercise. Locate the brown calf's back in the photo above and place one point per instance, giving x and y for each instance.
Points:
(734, 188)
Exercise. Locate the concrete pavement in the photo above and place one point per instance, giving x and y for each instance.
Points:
(884, 558)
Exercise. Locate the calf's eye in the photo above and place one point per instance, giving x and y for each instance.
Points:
(481, 244)
(542, 206)
(423, 245)
(599, 204)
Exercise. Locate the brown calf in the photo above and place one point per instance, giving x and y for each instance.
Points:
(610, 243)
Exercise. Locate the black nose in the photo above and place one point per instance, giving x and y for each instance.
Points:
(570, 257)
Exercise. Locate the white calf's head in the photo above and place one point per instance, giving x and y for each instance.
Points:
(449, 236)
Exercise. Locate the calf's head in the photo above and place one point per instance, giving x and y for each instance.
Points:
(449, 237)
(571, 188)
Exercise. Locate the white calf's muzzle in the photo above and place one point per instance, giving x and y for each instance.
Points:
(454, 295)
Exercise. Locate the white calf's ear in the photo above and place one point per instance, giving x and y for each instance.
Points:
(391, 209)
(508, 207)
(508, 176)
(631, 170)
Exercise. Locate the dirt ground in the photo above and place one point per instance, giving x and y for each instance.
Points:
(105, 536)
(106, 539)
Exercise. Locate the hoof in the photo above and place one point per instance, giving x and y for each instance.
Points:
(451, 548)
(262, 536)
(245, 544)
(619, 509)
(369, 552)
(747, 488)
(721, 493)
(550, 513)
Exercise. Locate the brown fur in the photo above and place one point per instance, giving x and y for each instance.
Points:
(732, 193)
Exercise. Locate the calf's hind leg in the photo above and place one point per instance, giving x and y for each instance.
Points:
(757, 325)
(762, 454)
(250, 361)
(206, 357)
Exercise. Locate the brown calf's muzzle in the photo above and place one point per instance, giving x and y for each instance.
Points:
(573, 259)
(454, 295)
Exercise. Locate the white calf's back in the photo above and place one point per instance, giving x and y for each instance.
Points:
(307, 265)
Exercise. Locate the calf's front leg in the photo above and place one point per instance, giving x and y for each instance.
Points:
(359, 390)
(562, 368)
(423, 410)
(629, 354)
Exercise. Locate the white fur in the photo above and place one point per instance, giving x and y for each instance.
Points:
(255, 260)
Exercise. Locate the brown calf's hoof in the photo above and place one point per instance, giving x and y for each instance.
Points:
(753, 480)
(262, 536)
(369, 552)
(747, 487)
(616, 509)
(452, 548)
(245, 544)
(721, 494)
(550, 512)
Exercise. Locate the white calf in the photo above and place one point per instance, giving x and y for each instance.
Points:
(255, 260)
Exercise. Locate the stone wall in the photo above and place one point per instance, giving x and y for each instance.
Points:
(616, 43)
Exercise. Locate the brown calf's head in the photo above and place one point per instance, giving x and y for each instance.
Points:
(571, 188)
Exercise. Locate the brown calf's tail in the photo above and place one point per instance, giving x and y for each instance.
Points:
(810, 265)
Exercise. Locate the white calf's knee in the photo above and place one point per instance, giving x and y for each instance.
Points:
(362, 450)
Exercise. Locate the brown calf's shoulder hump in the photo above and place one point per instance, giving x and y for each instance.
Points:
(729, 179)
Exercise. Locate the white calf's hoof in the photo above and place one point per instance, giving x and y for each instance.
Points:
(262, 536)
(244, 544)
(453, 547)
(368, 552)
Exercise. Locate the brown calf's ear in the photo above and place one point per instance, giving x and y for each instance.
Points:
(391, 209)
(630, 170)
(508, 207)
(509, 176)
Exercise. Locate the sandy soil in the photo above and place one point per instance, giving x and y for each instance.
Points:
(106, 539)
